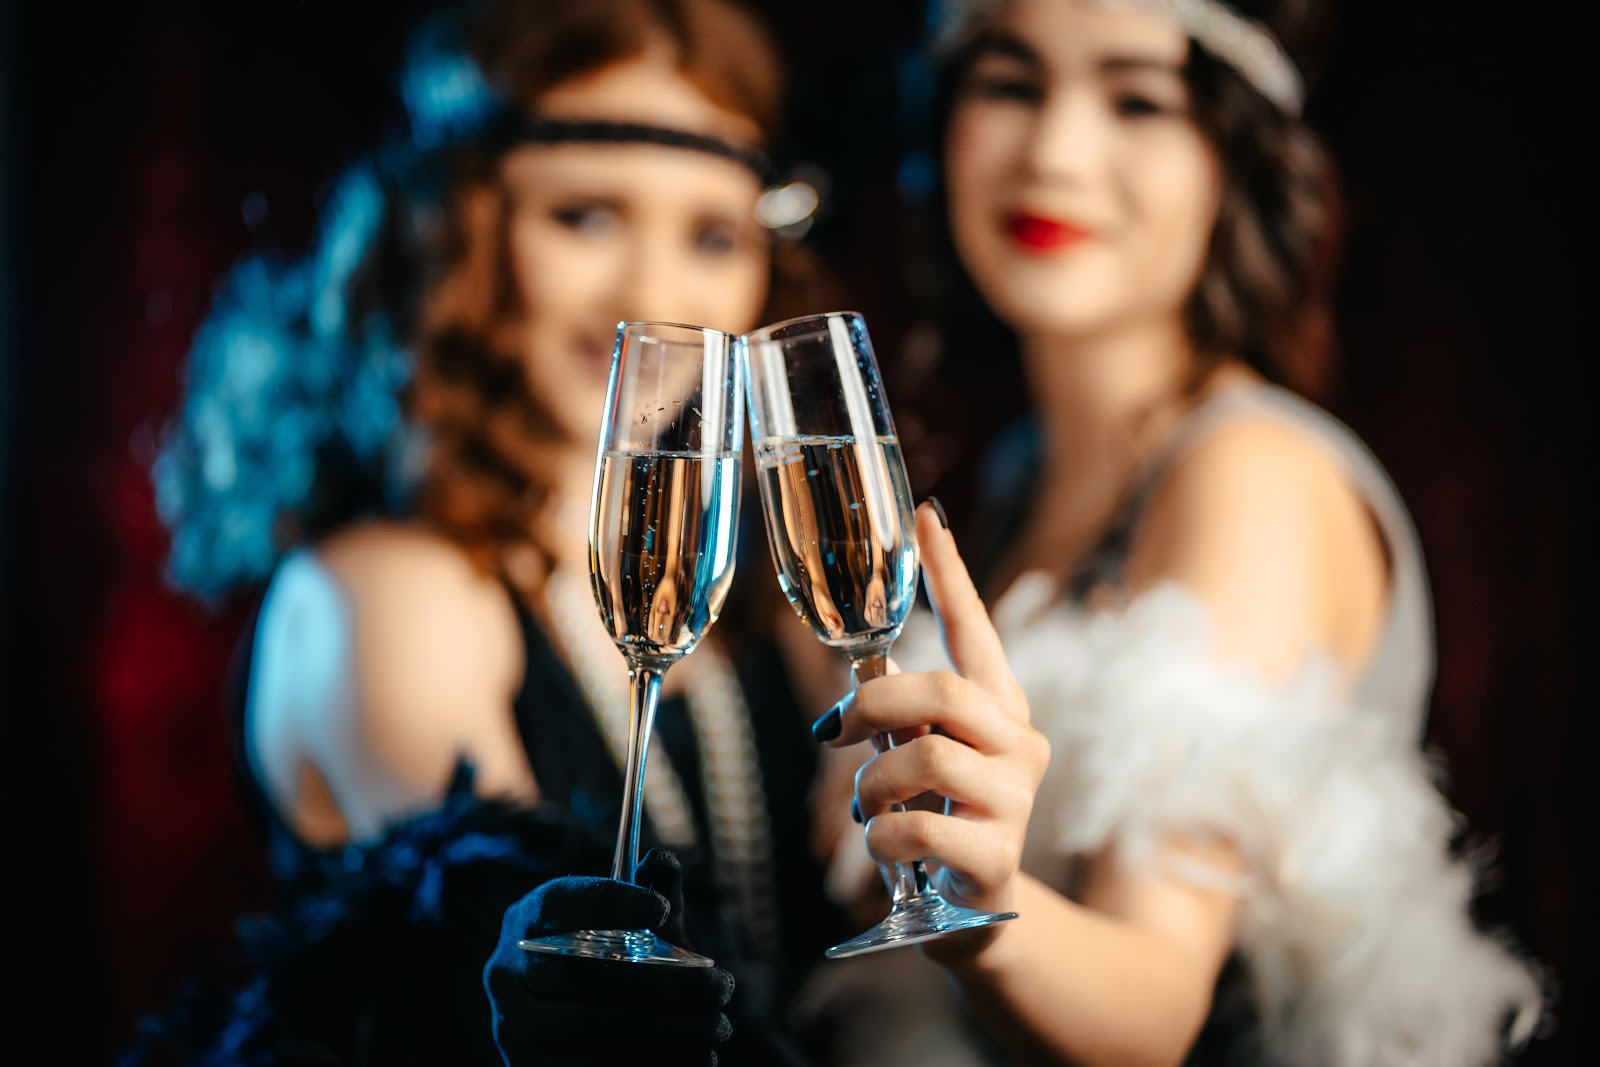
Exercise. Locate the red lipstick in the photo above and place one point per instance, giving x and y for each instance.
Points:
(1039, 233)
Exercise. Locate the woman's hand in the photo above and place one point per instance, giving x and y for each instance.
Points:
(550, 1009)
(963, 735)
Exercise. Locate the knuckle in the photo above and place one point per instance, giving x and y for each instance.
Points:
(863, 775)
(858, 705)
(923, 832)
(1036, 750)
(936, 755)
(869, 786)
(1025, 799)
(881, 839)
(1014, 797)
(902, 836)
(1008, 853)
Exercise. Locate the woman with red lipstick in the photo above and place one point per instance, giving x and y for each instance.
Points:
(1183, 740)
(398, 437)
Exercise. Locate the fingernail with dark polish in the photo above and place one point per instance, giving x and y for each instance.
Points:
(938, 509)
(828, 727)
(855, 809)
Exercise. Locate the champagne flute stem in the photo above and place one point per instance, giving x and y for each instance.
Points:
(910, 879)
(645, 686)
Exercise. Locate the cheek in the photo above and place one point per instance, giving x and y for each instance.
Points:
(960, 147)
(1182, 189)
(528, 269)
(553, 270)
(973, 165)
(976, 153)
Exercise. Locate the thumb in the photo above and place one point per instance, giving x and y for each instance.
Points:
(662, 872)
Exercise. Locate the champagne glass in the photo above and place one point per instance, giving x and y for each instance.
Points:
(839, 522)
(662, 524)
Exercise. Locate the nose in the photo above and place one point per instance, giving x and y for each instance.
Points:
(1070, 138)
(652, 284)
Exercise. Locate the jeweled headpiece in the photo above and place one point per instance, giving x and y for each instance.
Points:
(1243, 43)
(785, 207)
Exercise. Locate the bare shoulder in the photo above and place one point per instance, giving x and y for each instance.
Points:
(381, 657)
(402, 559)
(1263, 523)
(424, 615)
(405, 590)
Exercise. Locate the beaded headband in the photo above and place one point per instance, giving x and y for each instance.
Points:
(450, 104)
(513, 127)
(785, 207)
(1245, 44)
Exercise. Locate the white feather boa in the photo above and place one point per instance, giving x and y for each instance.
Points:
(1354, 917)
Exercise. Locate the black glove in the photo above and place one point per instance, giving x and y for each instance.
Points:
(571, 1010)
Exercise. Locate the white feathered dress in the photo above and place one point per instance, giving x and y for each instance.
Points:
(1356, 947)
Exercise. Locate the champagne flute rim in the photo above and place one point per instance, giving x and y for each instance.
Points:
(770, 331)
(633, 325)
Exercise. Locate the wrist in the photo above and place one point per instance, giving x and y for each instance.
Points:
(974, 955)
(982, 956)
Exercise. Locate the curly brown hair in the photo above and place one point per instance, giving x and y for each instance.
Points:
(490, 441)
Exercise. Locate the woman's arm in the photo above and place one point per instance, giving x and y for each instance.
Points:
(1127, 983)
(1281, 553)
(380, 659)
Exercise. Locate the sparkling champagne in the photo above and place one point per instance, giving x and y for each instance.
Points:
(846, 559)
(662, 557)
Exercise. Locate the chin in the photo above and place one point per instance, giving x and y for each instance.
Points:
(1054, 307)
(572, 394)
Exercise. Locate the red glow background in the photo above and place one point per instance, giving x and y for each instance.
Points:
(136, 133)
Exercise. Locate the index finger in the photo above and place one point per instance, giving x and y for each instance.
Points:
(969, 635)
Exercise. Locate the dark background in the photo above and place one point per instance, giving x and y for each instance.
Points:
(146, 146)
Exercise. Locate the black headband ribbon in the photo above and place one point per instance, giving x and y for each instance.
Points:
(515, 128)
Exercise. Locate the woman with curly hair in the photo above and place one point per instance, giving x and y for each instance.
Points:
(398, 434)
(1186, 745)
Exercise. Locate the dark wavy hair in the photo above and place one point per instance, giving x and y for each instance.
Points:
(1262, 291)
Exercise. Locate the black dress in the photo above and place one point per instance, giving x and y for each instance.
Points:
(375, 952)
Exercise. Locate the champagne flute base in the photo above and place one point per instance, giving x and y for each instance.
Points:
(623, 946)
(914, 919)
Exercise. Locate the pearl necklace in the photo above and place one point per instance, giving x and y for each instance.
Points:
(741, 848)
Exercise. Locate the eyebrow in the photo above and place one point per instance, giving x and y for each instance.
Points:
(1006, 46)
(1124, 63)
(1009, 46)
